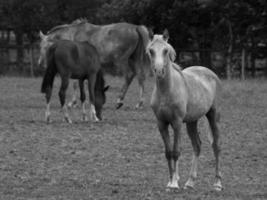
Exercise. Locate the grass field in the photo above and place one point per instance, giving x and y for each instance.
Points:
(122, 157)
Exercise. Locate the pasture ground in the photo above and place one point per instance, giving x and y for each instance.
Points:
(122, 157)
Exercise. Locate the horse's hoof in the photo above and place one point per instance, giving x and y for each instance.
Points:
(48, 120)
(96, 120)
(119, 105)
(168, 189)
(173, 185)
(218, 187)
(188, 187)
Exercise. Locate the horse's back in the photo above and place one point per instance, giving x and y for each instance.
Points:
(114, 42)
(78, 58)
(203, 75)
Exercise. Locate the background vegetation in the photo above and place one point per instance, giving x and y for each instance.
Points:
(217, 25)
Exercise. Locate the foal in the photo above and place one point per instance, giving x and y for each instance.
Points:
(183, 96)
(76, 60)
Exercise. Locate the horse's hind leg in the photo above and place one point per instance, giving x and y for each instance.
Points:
(82, 97)
(196, 143)
(73, 102)
(212, 117)
(128, 78)
(141, 80)
(47, 111)
(62, 98)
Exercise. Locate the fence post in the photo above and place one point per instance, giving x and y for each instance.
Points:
(229, 63)
(243, 63)
(32, 60)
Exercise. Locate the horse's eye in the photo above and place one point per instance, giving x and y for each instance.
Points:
(165, 51)
(151, 52)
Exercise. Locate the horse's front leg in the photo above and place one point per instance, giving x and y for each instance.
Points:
(196, 143)
(176, 152)
(128, 78)
(62, 98)
(163, 129)
(91, 88)
(82, 97)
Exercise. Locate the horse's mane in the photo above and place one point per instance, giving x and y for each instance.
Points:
(79, 21)
(176, 67)
(74, 23)
(54, 29)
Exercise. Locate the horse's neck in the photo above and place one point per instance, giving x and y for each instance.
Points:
(165, 84)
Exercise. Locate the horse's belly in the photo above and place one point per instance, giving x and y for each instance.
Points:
(195, 110)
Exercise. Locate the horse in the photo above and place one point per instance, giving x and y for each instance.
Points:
(122, 45)
(183, 96)
(76, 60)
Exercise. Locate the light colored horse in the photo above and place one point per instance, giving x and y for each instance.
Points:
(183, 96)
(122, 45)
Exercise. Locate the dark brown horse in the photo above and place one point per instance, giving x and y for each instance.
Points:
(122, 45)
(183, 96)
(76, 60)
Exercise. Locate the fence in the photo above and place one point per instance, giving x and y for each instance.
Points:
(242, 62)
(27, 66)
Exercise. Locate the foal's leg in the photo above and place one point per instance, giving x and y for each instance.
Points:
(91, 88)
(163, 129)
(47, 112)
(196, 143)
(212, 118)
(176, 152)
(62, 98)
(82, 97)
(128, 78)
(73, 102)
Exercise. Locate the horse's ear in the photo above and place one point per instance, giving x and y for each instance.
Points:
(166, 35)
(150, 33)
(106, 88)
(41, 34)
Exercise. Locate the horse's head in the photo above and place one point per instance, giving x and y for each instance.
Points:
(100, 94)
(45, 43)
(161, 53)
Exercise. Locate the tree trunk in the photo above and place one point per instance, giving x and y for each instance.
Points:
(230, 51)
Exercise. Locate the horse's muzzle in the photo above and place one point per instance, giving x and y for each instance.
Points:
(160, 72)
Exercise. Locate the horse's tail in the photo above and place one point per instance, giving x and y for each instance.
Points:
(51, 70)
(140, 54)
